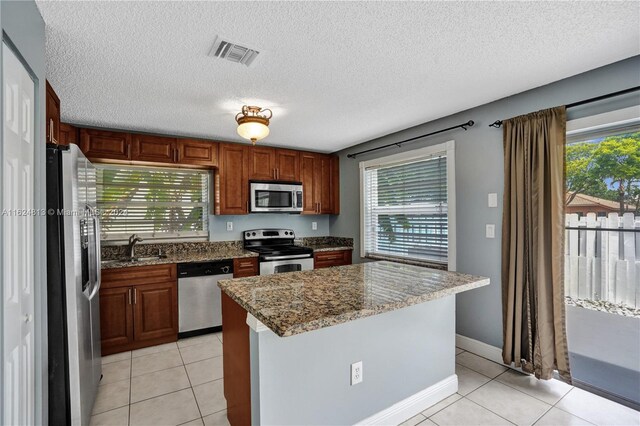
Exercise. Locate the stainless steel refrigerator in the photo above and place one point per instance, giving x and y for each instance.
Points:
(73, 284)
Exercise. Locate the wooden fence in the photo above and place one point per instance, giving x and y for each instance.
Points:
(602, 262)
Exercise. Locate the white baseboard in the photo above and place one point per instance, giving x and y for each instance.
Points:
(416, 403)
(479, 348)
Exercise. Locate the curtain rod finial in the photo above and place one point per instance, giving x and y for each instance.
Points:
(497, 124)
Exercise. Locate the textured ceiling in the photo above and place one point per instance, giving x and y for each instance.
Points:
(335, 74)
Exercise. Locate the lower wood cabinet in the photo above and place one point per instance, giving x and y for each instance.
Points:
(325, 259)
(245, 267)
(138, 307)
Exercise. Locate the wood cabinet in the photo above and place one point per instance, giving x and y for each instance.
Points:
(154, 149)
(262, 163)
(320, 183)
(325, 259)
(267, 163)
(198, 152)
(52, 115)
(68, 134)
(233, 179)
(245, 267)
(288, 165)
(116, 318)
(105, 145)
(138, 307)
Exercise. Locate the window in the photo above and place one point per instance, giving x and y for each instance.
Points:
(155, 203)
(408, 206)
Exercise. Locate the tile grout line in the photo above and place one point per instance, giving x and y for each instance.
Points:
(193, 392)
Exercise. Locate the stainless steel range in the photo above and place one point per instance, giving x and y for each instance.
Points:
(277, 251)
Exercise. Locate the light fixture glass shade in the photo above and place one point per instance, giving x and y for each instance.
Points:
(253, 130)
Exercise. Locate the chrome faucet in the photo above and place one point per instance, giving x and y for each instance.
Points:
(133, 240)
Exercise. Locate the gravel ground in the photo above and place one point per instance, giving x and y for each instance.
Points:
(604, 306)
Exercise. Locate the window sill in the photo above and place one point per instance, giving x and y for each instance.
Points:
(423, 263)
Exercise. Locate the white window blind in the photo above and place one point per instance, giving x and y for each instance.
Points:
(405, 209)
(155, 203)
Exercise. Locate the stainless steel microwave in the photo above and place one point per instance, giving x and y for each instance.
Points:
(275, 197)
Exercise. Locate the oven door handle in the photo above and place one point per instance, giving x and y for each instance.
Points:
(285, 257)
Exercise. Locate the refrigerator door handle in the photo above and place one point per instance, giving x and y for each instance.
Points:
(97, 248)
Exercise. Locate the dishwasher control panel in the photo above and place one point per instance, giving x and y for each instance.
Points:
(201, 269)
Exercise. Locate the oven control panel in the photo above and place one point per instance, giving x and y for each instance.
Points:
(265, 234)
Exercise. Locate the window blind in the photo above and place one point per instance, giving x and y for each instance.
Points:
(405, 209)
(155, 203)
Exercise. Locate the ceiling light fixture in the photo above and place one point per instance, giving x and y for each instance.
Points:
(253, 123)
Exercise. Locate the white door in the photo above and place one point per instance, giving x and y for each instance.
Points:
(17, 241)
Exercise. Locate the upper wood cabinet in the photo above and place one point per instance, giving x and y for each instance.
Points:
(320, 183)
(68, 134)
(52, 115)
(154, 149)
(233, 176)
(103, 144)
(262, 163)
(274, 164)
(198, 152)
(288, 165)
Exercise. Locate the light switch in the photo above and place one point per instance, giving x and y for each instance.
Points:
(314, 226)
(491, 230)
(229, 226)
(493, 199)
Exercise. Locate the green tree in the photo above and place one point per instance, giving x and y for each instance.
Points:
(591, 164)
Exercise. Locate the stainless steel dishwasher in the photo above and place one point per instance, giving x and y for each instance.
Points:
(199, 304)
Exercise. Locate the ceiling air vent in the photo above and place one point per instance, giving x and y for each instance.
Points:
(224, 49)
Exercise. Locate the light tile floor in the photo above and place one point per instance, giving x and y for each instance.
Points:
(171, 384)
(181, 383)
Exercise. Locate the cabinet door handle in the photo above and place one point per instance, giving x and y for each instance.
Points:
(129, 151)
(129, 293)
(135, 296)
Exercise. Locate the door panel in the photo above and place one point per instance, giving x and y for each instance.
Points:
(234, 179)
(198, 152)
(155, 149)
(288, 165)
(155, 311)
(307, 176)
(103, 144)
(262, 163)
(116, 318)
(324, 188)
(17, 242)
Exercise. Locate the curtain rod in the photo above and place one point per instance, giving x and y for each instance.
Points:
(463, 126)
(498, 123)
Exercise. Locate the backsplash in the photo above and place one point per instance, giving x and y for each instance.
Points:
(325, 241)
(151, 249)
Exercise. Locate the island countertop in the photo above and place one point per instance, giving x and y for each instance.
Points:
(299, 302)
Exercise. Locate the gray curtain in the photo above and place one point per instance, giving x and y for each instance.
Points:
(533, 243)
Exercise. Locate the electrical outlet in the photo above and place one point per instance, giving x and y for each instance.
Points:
(493, 200)
(491, 231)
(314, 226)
(356, 373)
(229, 226)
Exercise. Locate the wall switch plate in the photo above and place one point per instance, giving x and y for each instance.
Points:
(314, 226)
(491, 231)
(229, 226)
(356, 373)
(493, 199)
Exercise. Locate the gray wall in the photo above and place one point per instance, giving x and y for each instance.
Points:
(24, 27)
(300, 224)
(479, 171)
(305, 379)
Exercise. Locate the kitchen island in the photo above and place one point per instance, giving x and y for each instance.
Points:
(290, 341)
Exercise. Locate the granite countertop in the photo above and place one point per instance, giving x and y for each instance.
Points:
(182, 258)
(299, 302)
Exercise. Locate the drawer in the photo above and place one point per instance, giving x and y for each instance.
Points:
(245, 267)
(325, 259)
(122, 277)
